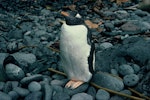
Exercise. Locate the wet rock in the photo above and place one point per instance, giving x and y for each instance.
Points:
(61, 96)
(21, 91)
(48, 92)
(82, 96)
(27, 80)
(34, 96)
(14, 72)
(5, 96)
(80, 89)
(108, 81)
(125, 69)
(34, 86)
(102, 95)
(105, 45)
(24, 57)
(131, 79)
(91, 91)
(14, 95)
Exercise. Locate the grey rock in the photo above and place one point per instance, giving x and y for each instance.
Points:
(105, 45)
(57, 88)
(61, 96)
(109, 26)
(122, 14)
(114, 72)
(45, 12)
(12, 46)
(82, 96)
(34, 96)
(131, 79)
(34, 86)
(80, 89)
(14, 84)
(91, 91)
(136, 68)
(125, 69)
(141, 13)
(2, 84)
(108, 81)
(48, 92)
(102, 95)
(7, 87)
(14, 95)
(24, 57)
(21, 91)
(116, 98)
(14, 72)
(15, 34)
(27, 80)
(4, 96)
(40, 33)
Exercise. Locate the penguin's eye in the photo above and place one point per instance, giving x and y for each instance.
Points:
(78, 15)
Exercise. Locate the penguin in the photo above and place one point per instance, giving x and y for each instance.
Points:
(77, 51)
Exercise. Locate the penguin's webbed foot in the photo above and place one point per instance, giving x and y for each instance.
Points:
(73, 84)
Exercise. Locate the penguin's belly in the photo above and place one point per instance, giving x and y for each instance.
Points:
(75, 52)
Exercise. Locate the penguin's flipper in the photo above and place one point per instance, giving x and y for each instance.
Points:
(73, 84)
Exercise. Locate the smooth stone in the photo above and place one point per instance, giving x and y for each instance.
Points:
(80, 89)
(14, 84)
(48, 92)
(15, 34)
(131, 79)
(34, 96)
(135, 67)
(7, 87)
(82, 96)
(122, 14)
(108, 81)
(102, 95)
(57, 88)
(58, 82)
(109, 26)
(21, 91)
(105, 45)
(14, 95)
(34, 86)
(61, 96)
(4, 96)
(27, 80)
(12, 46)
(125, 69)
(24, 57)
(91, 91)
(14, 72)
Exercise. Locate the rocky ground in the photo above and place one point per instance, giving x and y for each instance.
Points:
(29, 28)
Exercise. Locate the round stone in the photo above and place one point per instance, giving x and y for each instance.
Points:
(82, 96)
(102, 95)
(130, 80)
(125, 69)
(34, 86)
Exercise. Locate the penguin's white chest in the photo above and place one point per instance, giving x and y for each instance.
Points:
(74, 51)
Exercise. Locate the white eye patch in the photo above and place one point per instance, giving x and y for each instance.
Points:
(78, 15)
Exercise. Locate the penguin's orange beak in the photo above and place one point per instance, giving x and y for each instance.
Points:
(64, 13)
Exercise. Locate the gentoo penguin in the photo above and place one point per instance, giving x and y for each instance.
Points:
(76, 51)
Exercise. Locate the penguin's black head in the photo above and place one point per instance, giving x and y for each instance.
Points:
(74, 18)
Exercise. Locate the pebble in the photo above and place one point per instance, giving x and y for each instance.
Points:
(48, 92)
(34, 86)
(136, 68)
(27, 80)
(131, 79)
(108, 81)
(7, 87)
(2, 84)
(125, 69)
(91, 91)
(82, 96)
(14, 95)
(102, 95)
(34, 96)
(26, 57)
(14, 72)
(61, 96)
(105, 45)
(4, 96)
(21, 91)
